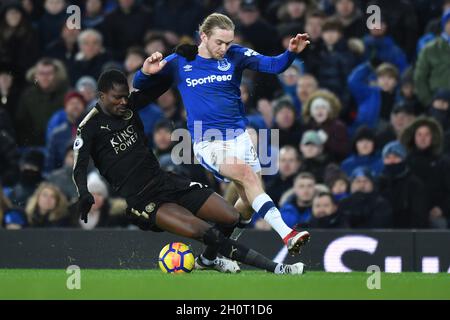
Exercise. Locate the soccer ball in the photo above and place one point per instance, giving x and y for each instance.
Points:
(176, 257)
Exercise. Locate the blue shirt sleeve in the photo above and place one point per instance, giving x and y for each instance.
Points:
(143, 81)
(251, 59)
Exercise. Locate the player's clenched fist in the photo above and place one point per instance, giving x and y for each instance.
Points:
(299, 42)
(153, 64)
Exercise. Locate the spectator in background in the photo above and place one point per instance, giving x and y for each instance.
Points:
(365, 153)
(401, 18)
(162, 138)
(262, 36)
(93, 15)
(19, 44)
(423, 140)
(99, 215)
(134, 59)
(433, 28)
(288, 80)
(402, 115)
(286, 121)
(230, 8)
(321, 113)
(374, 102)
(188, 15)
(432, 70)
(288, 167)
(294, 11)
(87, 86)
(156, 42)
(44, 95)
(313, 158)
(9, 159)
(10, 217)
(402, 189)
(126, 26)
(351, 17)
(306, 85)
(169, 103)
(9, 91)
(313, 27)
(51, 22)
(65, 47)
(325, 213)
(337, 182)
(334, 60)
(92, 56)
(29, 179)
(296, 210)
(439, 110)
(47, 207)
(62, 177)
(407, 91)
(74, 108)
(365, 208)
(379, 45)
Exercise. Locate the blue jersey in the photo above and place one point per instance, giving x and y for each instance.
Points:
(210, 87)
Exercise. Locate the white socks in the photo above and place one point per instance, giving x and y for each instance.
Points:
(264, 205)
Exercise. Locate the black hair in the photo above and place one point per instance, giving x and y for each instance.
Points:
(164, 124)
(109, 78)
(325, 194)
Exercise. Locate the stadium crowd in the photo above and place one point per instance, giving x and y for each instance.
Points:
(363, 114)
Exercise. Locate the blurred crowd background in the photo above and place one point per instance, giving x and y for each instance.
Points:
(363, 114)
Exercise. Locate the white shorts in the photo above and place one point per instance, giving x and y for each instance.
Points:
(211, 154)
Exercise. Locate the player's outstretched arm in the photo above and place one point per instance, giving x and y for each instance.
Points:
(276, 64)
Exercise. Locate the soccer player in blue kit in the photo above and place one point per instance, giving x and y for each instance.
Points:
(208, 79)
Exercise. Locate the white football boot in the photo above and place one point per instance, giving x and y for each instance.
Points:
(220, 264)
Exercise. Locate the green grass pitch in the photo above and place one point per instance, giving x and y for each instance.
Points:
(153, 284)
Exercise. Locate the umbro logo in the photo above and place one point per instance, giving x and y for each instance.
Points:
(250, 53)
(105, 127)
(187, 68)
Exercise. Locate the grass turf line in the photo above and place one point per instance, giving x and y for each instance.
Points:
(153, 284)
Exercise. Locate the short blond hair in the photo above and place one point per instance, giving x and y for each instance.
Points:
(216, 20)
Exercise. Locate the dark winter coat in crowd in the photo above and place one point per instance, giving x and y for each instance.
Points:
(6, 123)
(335, 221)
(35, 109)
(277, 186)
(19, 46)
(125, 29)
(293, 214)
(402, 23)
(430, 165)
(9, 160)
(50, 26)
(367, 210)
(331, 67)
(290, 136)
(58, 50)
(355, 26)
(24, 189)
(92, 67)
(407, 195)
(188, 14)
(316, 166)
(263, 37)
(337, 145)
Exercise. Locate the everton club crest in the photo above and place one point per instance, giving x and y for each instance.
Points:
(223, 65)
